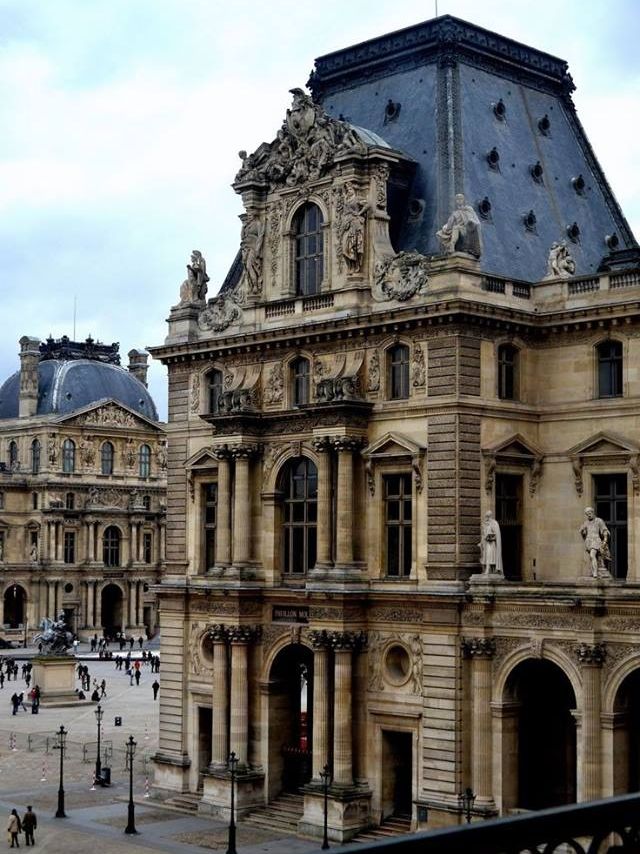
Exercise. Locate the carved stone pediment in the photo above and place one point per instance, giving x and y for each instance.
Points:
(393, 446)
(518, 451)
(304, 149)
(107, 414)
(202, 460)
(605, 449)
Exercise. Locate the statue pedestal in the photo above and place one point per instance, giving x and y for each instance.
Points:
(55, 676)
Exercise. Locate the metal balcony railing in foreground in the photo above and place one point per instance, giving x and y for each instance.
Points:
(598, 827)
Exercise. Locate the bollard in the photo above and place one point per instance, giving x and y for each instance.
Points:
(146, 787)
(43, 779)
(93, 782)
(12, 741)
(146, 731)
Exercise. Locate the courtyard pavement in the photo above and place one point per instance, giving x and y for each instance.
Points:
(96, 817)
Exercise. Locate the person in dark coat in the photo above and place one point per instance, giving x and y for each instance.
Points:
(29, 824)
(156, 688)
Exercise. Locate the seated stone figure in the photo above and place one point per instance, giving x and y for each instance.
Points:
(461, 232)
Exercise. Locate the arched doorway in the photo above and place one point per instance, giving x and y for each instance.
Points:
(15, 600)
(290, 721)
(111, 598)
(626, 737)
(539, 740)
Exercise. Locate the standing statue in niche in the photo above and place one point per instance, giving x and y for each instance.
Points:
(354, 214)
(461, 232)
(194, 287)
(596, 538)
(251, 242)
(560, 263)
(491, 546)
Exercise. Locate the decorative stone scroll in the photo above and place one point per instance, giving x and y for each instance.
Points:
(591, 653)
(400, 277)
(373, 374)
(108, 497)
(304, 149)
(274, 387)
(478, 647)
(418, 370)
(220, 313)
(244, 634)
(323, 639)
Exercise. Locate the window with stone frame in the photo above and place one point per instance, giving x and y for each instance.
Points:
(69, 551)
(145, 461)
(34, 500)
(68, 456)
(508, 357)
(308, 249)
(69, 501)
(147, 546)
(106, 458)
(398, 372)
(35, 456)
(146, 502)
(1, 500)
(111, 546)
(13, 454)
(610, 363)
(611, 505)
(215, 386)
(2, 545)
(299, 486)
(398, 521)
(210, 502)
(300, 381)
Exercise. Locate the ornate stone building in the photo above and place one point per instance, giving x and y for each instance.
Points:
(82, 490)
(432, 320)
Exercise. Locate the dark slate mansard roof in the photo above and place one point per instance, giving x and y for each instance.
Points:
(452, 96)
(73, 376)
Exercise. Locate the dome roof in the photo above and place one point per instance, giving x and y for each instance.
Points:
(65, 386)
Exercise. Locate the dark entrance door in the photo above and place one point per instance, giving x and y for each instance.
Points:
(14, 601)
(397, 774)
(205, 723)
(509, 517)
(611, 506)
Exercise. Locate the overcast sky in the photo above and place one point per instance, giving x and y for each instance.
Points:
(121, 120)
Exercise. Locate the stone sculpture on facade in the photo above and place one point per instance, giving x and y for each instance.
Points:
(251, 243)
(304, 148)
(596, 538)
(461, 232)
(194, 287)
(354, 214)
(560, 263)
(491, 546)
(400, 277)
(220, 313)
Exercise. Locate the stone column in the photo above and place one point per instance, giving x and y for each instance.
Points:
(92, 542)
(132, 603)
(98, 605)
(91, 598)
(220, 698)
(591, 659)
(320, 734)
(345, 446)
(323, 449)
(51, 599)
(240, 637)
(481, 651)
(241, 506)
(134, 542)
(163, 537)
(223, 528)
(343, 644)
(59, 541)
(140, 604)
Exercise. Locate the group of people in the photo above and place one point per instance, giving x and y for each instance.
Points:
(27, 825)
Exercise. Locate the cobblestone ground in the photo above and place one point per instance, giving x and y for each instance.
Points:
(96, 817)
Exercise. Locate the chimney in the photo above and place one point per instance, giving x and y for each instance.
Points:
(138, 365)
(29, 359)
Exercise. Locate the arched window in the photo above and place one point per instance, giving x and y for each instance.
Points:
(68, 456)
(111, 546)
(214, 387)
(299, 483)
(507, 372)
(35, 456)
(307, 228)
(609, 369)
(145, 461)
(106, 458)
(300, 379)
(13, 454)
(398, 360)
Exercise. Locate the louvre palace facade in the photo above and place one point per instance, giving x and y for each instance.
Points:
(82, 490)
(384, 431)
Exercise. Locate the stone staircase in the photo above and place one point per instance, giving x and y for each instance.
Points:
(281, 815)
(185, 802)
(392, 826)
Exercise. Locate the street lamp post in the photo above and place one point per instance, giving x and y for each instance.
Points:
(62, 734)
(467, 799)
(233, 764)
(131, 822)
(99, 712)
(325, 776)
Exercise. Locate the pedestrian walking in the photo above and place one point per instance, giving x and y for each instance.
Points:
(156, 688)
(14, 827)
(103, 688)
(136, 674)
(29, 824)
(1, 679)
(21, 701)
(27, 679)
(15, 702)
(140, 641)
(131, 643)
